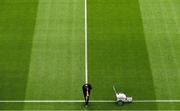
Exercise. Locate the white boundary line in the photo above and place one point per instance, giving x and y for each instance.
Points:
(80, 101)
(86, 42)
(156, 101)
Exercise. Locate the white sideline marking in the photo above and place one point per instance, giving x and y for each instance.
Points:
(80, 101)
(86, 42)
(156, 101)
(41, 101)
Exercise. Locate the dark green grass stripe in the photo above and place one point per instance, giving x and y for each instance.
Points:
(117, 50)
(17, 22)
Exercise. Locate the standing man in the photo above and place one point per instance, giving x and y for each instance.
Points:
(86, 91)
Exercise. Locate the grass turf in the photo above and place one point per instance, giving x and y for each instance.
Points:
(132, 44)
(17, 22)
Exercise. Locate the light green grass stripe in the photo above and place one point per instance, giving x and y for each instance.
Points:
(161, 32)
(57, 60)
(160, 19)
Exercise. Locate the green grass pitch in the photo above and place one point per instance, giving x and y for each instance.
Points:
(134, 44)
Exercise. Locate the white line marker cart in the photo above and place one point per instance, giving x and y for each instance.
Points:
(121, 98)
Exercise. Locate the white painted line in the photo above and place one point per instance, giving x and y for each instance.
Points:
(53, 101)
(41, 101)
(156, 101)
(86, 42)
(102, 101)
(80, 101)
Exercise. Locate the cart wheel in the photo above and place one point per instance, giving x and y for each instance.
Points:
(120, 102)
